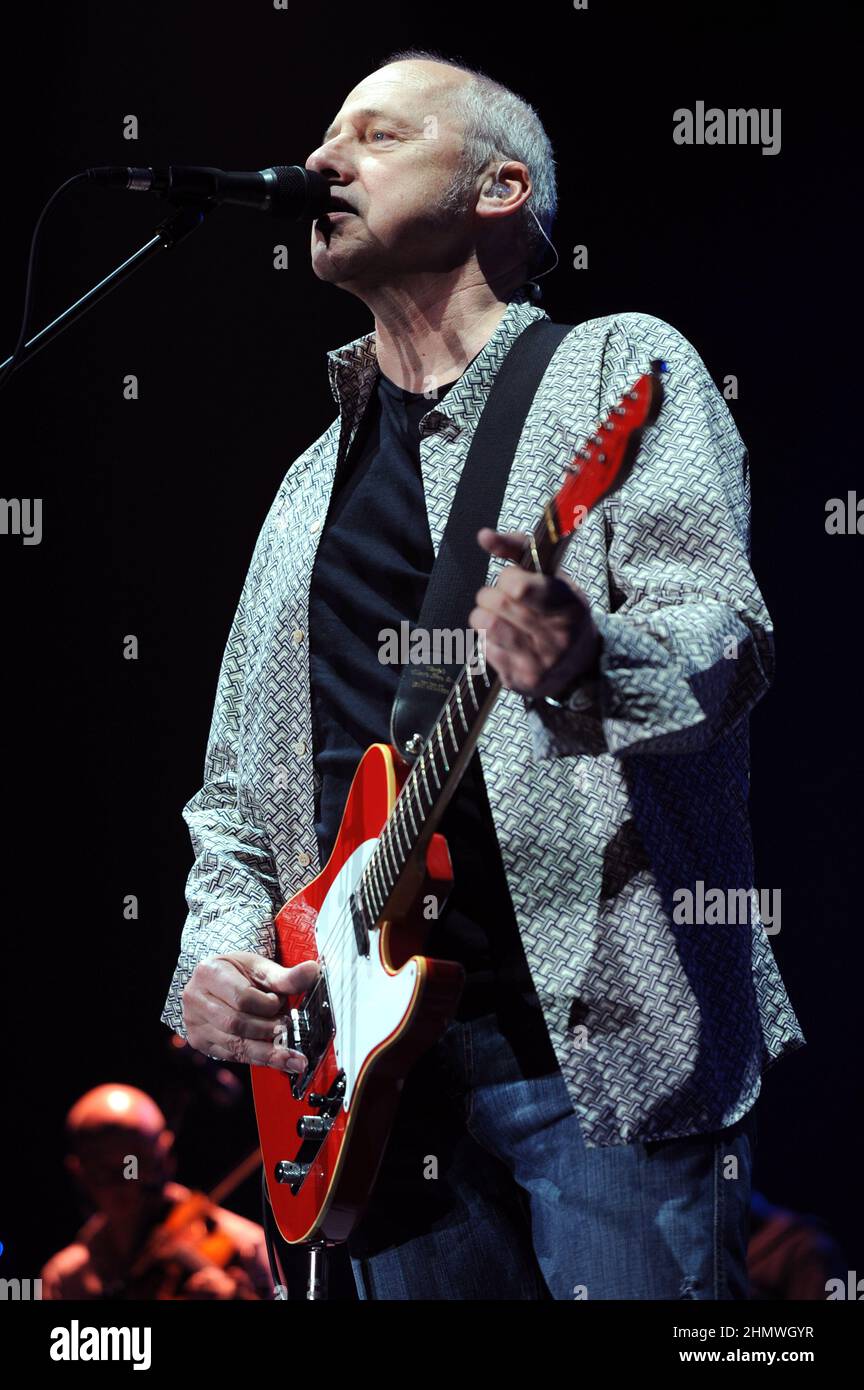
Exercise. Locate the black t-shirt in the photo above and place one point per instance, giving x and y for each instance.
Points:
(371, 571)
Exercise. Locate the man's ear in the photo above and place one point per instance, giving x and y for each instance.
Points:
(510, 183)
(165, 1146)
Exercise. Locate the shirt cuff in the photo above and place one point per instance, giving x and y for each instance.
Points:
(581, 692)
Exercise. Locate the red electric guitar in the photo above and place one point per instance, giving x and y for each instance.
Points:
(378, 1003)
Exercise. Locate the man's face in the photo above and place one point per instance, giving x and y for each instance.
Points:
(104, 1171)
(391, 153)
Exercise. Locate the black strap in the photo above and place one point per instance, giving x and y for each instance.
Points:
(461, 564)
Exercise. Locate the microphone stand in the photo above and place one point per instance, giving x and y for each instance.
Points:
(167, 235)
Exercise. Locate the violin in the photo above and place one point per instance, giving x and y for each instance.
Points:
(186, 1240)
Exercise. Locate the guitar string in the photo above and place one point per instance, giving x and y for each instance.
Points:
(389, 831)
(345, 997)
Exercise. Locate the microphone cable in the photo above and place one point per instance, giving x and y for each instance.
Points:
(28, 286)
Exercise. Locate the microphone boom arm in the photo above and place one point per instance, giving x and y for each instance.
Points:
(167, 235)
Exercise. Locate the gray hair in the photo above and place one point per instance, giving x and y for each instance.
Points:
(499, 125)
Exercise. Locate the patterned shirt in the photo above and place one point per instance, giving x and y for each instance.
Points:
(609, 809)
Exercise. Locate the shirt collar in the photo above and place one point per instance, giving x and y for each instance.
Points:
(354, 368)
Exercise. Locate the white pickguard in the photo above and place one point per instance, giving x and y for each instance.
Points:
(368, 1003)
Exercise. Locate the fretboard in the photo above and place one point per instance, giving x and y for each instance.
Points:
(444, 756)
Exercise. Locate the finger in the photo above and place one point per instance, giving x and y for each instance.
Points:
(221, 978)
(518, 670)
(283, 979)
(508, 545)
(494, 607)
(229, 1048)
(256, 987)
(517, 584)
(505, 636)
(209, 1012)
(555, 595)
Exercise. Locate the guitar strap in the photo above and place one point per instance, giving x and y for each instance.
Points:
(461, 564)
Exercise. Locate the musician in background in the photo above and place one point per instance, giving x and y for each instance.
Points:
(149, 1237)
(584, 1126)
(791, 1255)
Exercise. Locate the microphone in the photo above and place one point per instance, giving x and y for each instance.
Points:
(286, 190)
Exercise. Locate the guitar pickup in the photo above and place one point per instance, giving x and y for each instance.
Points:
(361, 930)
(310, 1029)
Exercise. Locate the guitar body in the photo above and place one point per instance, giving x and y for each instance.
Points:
(370, 1016)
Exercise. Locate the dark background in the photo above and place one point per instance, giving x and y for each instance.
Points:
(152, 507)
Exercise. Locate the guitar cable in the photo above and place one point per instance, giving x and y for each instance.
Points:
(29, 283)
(280, 1283)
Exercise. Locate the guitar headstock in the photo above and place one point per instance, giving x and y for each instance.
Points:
(607, 456)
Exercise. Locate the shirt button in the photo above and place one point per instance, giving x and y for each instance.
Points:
(304, 858)
(297, 636)
(314, 526)
(299, 746)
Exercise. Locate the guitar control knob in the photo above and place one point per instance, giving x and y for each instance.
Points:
(290, 1172)
(314, 1126)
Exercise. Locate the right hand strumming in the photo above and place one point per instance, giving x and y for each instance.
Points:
(234, 1004)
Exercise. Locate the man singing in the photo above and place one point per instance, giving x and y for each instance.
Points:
(590, 1108)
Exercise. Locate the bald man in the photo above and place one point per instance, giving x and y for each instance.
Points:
(121, 1156)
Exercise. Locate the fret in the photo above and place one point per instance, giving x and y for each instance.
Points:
(371, 896)
(422, 761)
(415, 785)
(371, 886)
(410, 812)
(470, 680)
(452, 730)
(400, 810)
(389, 884)
(371, 910)
(438, 762)
(415, 829)
(395, 829)
(381, 885)
(388, 849)
(461, 707)
(443, 749)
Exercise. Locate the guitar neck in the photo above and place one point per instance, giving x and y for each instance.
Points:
(446, 753)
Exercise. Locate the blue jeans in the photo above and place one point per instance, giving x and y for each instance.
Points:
(487, 1190)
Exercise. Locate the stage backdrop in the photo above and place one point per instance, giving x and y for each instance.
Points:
(151, 505)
